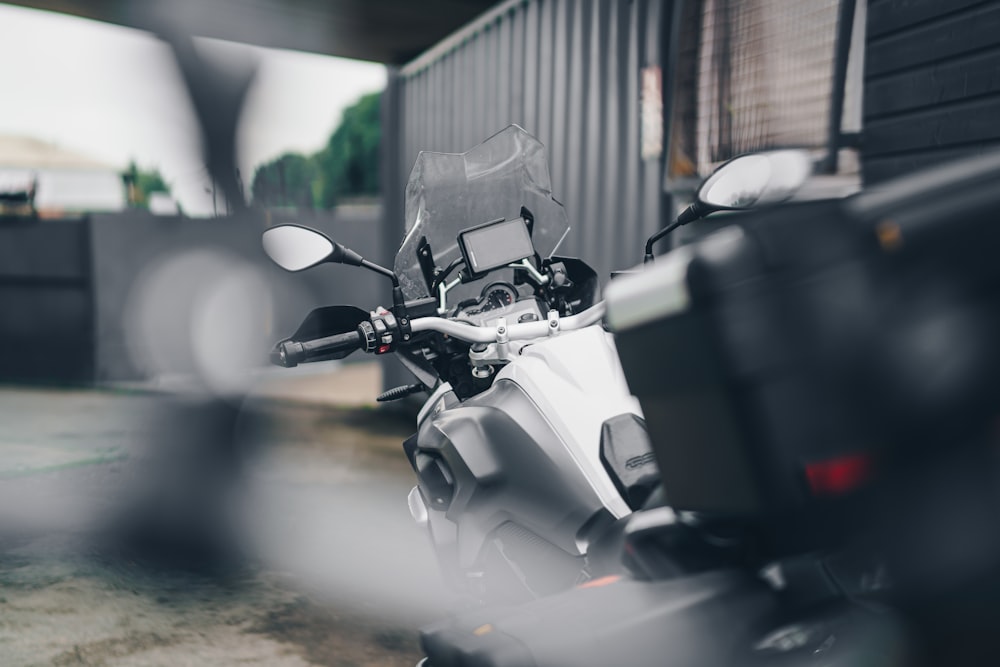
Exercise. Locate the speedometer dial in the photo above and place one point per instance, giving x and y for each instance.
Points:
(497, 296)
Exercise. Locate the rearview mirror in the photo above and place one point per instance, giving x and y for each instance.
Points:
(752, 180)
(789, 171)
(295, 248)
(743, 182)
(736, 184)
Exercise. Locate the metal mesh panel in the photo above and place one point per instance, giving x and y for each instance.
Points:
(765, 75)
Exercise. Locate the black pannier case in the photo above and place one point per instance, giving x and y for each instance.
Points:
(783, 360)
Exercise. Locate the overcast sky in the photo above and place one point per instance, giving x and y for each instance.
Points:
(114, 94)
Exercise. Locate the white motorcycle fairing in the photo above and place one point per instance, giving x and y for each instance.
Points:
(512, 480)
(577, 383)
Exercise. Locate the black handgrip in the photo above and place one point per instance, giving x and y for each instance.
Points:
(291, 353)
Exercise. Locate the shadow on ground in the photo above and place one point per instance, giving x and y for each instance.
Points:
(312, 557)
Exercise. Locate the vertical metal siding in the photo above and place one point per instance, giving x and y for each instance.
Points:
(568, 72)
(532, 54)
(629, 123)
(611, 92)
(652, 173)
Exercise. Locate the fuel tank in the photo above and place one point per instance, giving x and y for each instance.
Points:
(512, 484)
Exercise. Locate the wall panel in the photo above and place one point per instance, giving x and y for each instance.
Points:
(932, 84)
(46, 295)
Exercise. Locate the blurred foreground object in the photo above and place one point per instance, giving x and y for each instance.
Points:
(785, 358)
(179, 503)
(816, 374)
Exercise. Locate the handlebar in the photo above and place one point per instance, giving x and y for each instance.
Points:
(380, 339)
(291, 353)
(471, 333)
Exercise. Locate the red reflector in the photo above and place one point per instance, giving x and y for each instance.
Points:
(382, 349)
(839, 476)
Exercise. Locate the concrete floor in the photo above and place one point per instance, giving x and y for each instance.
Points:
(314, 559)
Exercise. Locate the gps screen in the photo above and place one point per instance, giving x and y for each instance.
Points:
(495, 244)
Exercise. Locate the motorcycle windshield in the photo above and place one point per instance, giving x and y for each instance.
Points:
(450, 192)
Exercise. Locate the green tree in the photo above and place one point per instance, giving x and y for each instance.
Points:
(347, 166)
(290, 180)
(143, 182)
(350, 161)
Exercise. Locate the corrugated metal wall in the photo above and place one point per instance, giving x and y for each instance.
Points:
(568, 71)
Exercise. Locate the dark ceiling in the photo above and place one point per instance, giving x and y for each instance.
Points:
(387, 31)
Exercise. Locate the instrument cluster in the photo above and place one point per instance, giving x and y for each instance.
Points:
(500, 299)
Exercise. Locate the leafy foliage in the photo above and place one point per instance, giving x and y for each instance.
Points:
(286, 181)
(142, 182)
(349, 163)
(347, 166)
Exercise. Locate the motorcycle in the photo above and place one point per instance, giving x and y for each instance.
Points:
(811, 522)
(530, 451)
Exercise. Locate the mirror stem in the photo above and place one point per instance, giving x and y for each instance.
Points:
(398, 304)
(656, 237)
(381, 269)
(690, 214)
(342, 255)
